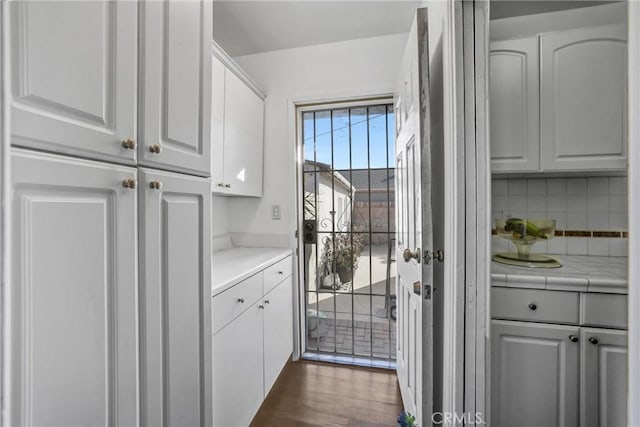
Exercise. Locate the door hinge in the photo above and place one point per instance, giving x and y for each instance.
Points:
(427, 291)
(297, 251)
(437, 255)
(297, 234)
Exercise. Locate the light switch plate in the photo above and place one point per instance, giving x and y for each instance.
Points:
(275, 212)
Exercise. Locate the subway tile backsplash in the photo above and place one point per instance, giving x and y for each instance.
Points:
(590, 212)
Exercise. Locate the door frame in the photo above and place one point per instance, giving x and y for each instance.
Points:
(477, 333)
(5, 206)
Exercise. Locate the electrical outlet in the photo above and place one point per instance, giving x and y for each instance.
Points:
(275, 212)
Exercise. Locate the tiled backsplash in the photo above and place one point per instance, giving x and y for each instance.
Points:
(593, 207)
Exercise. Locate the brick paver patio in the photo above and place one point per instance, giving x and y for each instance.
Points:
(342, 336)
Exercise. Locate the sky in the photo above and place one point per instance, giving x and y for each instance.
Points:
(379, 125)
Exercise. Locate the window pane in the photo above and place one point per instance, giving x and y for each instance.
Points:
(308, 137)
(341, 154)
(359, 149)
(323, 137)
(378, 136)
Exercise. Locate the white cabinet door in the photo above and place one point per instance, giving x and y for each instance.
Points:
(583, 99)
(243, 138)
(175, 81)
(514, 104)
(603, 383)
(73, 78)
(237, 369)
(534, 374)
(278, 331)
(175, 295)
(218, 71)
(73, 296)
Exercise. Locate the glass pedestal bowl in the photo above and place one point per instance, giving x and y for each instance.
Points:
(524, 233)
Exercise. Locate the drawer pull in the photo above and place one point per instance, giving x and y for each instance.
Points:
(533, 306)
(593, 340)
(241, 300)
(573, 338)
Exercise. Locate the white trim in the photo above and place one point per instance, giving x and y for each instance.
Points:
(233, 66)
(5, 212)
(633, 398)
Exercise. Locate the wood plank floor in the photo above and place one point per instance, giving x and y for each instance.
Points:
(322, 394)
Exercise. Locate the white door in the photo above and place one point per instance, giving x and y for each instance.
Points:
(73, 80)
(278, 330)
(415, 308)
(73, 306)
(175, 82)
(175, 295)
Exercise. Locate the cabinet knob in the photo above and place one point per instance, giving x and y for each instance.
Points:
(241, 300)
(221, 184)
(280, 273)
(129, 144)
(533, 306)
(156, 185)
(573, 338)
(266, 301)
(129, 183)
(155, 148)
(261, 307)
(593, 340)
(227, 186)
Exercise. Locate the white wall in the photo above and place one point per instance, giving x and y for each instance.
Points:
(219, 215)
(355, 68)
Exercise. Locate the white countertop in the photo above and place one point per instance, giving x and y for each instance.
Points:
(578, 273)
(233, 265)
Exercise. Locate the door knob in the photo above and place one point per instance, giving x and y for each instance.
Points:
(437, 255)
(155, 148)
(408, 255)
(129, 144)
(156, 185)
(129, 183)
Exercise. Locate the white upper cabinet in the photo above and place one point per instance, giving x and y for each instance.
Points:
(73, 337)
(583, 99)
(237, 131)
(175, 86)
(514, 104)
(73, 78)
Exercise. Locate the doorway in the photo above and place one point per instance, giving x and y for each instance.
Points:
(347, 189)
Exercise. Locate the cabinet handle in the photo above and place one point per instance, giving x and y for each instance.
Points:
(221, 184)
(227, 186)
(129, 183)
(129, 144)
(573, 338)
(156, 185)
(533, 306)
(593, 340)
(155, 148)
(261, 307)
(266, 301)
(241, 300)
(281, 272)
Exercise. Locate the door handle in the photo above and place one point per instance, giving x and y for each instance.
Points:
(408, 255)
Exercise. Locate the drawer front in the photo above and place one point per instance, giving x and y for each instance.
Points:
(606, 310)
(535, 305)
(276, 273)
(229, 304)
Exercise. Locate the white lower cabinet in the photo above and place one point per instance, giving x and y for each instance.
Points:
(549, 374)
(175, 267)
(534, 374)
(250, 349)
(73, 300)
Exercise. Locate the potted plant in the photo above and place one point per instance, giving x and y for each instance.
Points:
(344, 252)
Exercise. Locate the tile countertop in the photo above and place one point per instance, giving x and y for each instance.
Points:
(233, 265)
(578, 273)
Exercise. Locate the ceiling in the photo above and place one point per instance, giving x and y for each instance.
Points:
(246, 27)
(509, 8)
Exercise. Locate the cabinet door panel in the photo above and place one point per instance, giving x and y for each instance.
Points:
(243, 138)
(583, 99)
(74, 77)
(278, 331)
(534, 374)
(603, 388)
(237, 369)
(514, 103)
(175, 292)
(218, 71)
(175, 71)
(73, 294)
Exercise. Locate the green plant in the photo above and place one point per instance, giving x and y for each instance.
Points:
(405, 419)
(344, 250)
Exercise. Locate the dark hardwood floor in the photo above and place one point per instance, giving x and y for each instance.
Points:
(321, 394)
